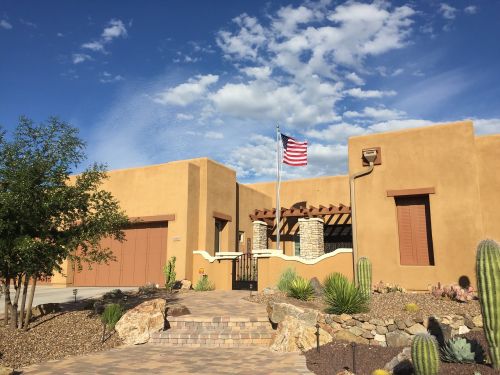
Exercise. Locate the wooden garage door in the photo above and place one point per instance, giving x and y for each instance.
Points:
(139, 259)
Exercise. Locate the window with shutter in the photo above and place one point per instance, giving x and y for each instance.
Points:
(414, 226)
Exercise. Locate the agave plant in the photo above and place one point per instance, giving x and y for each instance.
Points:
(461, 350)
(301, 288)
(342, 296)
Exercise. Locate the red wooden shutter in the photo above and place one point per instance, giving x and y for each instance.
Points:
(415, 240)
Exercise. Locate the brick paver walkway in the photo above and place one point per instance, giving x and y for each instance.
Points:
(149, 359)
(177, 360)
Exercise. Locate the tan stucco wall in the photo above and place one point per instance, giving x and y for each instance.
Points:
(488, 151)
(218, 272)
(442, 157)
(312, 191)
(270, 269)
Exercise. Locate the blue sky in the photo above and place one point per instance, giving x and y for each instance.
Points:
(150, 82)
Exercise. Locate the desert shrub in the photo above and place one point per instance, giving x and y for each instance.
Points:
(286, 279)
(111, 315)
(204, 284)
(342, 296)
(113, 294)
(148, 289)
(301, 288)
(412, 307)
(169, 272)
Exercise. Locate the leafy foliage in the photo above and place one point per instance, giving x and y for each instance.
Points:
(111, 315)
(461, 350)
(169, 272)
(286, 279)
(342, 296)
(301, 288)
(204, 284)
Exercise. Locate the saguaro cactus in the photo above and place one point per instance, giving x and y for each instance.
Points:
(365, 276)
(425, 354)
(488, 285)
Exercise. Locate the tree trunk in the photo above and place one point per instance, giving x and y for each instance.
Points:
(30, 304)
(13, 306)
(7, 301)
(23, 301)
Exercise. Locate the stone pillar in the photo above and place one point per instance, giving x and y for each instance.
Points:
(312, 242)
(259, 235)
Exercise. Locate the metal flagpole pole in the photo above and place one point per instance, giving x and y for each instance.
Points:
(278, 183)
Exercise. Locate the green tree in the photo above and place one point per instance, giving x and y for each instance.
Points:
(47, 215)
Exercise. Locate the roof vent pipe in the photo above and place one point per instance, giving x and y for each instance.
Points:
(369, 156)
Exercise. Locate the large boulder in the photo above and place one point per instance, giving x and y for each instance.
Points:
(277, 311)
(397, 339)
(295, 335)
(137, 324)
(349, 337)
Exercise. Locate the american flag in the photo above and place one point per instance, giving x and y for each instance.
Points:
(294, 152)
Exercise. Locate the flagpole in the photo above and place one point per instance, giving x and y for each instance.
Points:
(278, 183)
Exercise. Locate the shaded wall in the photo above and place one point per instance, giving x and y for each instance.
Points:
(443, 157)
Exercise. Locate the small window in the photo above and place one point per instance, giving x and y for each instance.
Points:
(414, 228)
(296, 244)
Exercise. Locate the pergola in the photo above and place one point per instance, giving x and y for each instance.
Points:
(268, 215)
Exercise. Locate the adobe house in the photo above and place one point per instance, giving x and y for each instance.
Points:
(418, 213)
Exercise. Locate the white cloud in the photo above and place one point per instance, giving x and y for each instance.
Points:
(4, 24)
(245, 44)
(376, 113)
(448, 11)
(187, 93)
(471, 9)
(110, 78)
(115, 29)
(353, 77)
(487, 126)
(78, 58)
(214, 135)
(184, 117)
(94, 46)
(369, 94)
(261, 72)
(337, 133)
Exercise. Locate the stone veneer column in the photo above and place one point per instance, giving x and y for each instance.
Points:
(259, 235)
(312, 242)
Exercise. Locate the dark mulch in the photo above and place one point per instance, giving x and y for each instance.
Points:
(336, 356)
(389, 304)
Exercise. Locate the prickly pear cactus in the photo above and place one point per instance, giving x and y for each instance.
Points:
(488, 284)
(425, 354)
(365, 276)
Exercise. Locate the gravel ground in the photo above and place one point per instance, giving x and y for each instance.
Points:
(53, 336)
(336, 356)
(390, 305)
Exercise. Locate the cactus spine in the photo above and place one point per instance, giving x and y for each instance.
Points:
(425, 354)
(365, 276)
(488, 285)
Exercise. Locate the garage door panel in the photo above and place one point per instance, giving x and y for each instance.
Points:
(139, 259)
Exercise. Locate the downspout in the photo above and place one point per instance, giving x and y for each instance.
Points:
(370, 156)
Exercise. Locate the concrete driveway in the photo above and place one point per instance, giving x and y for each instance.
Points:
(51, 294)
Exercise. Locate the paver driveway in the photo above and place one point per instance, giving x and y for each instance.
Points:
(149, 359)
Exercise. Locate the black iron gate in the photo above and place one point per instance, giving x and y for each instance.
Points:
(245, 272)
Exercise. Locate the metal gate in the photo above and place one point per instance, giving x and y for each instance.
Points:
(245, 272)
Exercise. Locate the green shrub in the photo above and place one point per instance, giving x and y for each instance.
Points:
(204, 284)
(301, 288)
(111, 315)
(169, 272)
(342, 296)
(286, 279)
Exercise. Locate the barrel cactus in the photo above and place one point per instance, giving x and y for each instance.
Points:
(365, 276)
(488, 285)
(425, 354)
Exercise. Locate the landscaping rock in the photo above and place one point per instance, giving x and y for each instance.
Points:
(400, 363)
(416, 328)
(293, 335)
(381, 330)
(349, 337)
(278, 311)
(356, 331)
(177, 310)
(318, 288)
(6, 370)
(463, 330)
(478, 321)
(397, 338)
(186, 284)
(136, 325)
